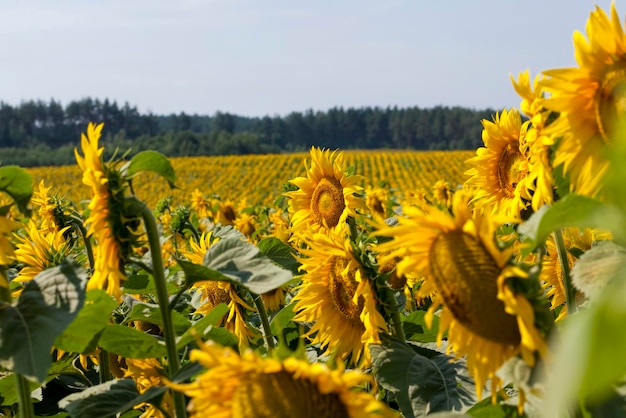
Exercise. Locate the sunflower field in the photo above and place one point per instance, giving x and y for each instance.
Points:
(333, 284)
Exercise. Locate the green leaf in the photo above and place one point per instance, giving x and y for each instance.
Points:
(488, 410)
(283, 326)
(81, 335)
(245, 265)
(104, 400)
(280, 253)
(588, 360)
(151, 313)
(152, 161)
(131, 343)
(47, 305)
(415, 328)
(597, 266)
(17, 183)
(420, 384)
(201, 326)
(572, 210)
(196, 273)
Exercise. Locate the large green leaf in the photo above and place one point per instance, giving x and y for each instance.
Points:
(29, 327)
(18, 184)
(151, 313)
(421, 385)
(597, 266)
(81, 335)
(572, 210)
(279, 252)
(589, 360)
(103, 400)
(244, 264)
(152, 161)
(415, 327)
(131, 343)
(200, 327)
(283, 326)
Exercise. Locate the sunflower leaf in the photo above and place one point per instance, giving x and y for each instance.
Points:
(29, 327)
(131, 343)
(421, 385)
(280, 252)
(201, 326)
(104, 400)
(152, 161)
(571, 211)
(17, 183)
(244, 264)
(81, 335)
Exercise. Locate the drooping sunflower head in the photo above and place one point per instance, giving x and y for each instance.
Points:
(500, 168)
(246, 224)
(467, 275)
(442, 191)
(326, 196)
(377, 200)
(114, 230)
(253, 387)
(148, 373)
(591, 99)
(338, 298)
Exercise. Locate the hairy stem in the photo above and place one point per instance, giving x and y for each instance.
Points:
(570, 292)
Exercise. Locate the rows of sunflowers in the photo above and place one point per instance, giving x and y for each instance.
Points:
(337, 297)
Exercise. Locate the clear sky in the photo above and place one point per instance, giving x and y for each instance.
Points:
(271, 57)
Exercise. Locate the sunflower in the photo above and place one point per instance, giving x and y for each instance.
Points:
(468, 276)
(6, 249)
(591, 99)
(338, 298)
(576, 241)
(275, 299)
(326, 196)
(246, 224)
(147, 373)
(213, 293)
(376, 199)
(226, 213)
(107, 274)
(254, 387)
(539, 180)
(199, 204)
(501, 166)
(279, 226)
(45, 208)
(39, 250)
(443, 192)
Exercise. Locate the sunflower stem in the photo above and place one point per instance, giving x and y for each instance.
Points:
(163, 299)
(570, 292)
(194, 231)
(77, 223)
(398, 329)
(265, 323)
(26, 409)
(104, 367)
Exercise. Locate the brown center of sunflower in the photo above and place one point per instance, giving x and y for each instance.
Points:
(510, 169)
(215, 294)
(327, 202)
(466, 277)
(342, 286)
(610, 103)
(282, 395)
(228, 212)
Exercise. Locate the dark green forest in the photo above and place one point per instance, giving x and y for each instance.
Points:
(38, 133)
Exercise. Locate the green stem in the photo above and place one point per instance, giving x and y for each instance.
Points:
(104, 367)
(194, 231)
(163, 299)
(77, 223)
(570, 292)
(398, 330)
(26, 409)
(176, 298)
(265, 323)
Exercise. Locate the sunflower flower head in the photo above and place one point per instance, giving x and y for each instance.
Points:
(326, 196)
(114, 232)
(338, 298)
(212, 293)
(500, 168)
(147, 373)
(254, 387)
(591, 99)
(468, 276)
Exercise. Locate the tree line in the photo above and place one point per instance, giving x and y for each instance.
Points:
(37, 133)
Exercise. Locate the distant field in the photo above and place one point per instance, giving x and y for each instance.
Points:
(259, 178)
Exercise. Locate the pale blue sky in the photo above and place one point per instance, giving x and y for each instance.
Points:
(269, 57)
